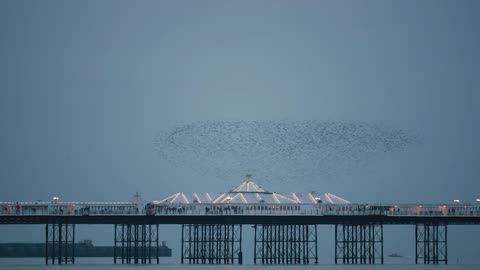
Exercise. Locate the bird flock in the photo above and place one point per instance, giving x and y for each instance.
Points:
(277, 150)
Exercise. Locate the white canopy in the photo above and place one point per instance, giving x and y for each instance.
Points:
(249, 192)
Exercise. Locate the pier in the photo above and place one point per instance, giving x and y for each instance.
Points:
(285, 226)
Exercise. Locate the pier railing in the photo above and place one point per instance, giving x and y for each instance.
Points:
(322, 210)
(259, 209)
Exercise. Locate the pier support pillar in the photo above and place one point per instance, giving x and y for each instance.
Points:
(358, 243)
(211, 244)
(59, 243)
(285, 244)
(431, 243)
(136, 244)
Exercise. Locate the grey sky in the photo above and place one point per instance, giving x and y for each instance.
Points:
(85, 86)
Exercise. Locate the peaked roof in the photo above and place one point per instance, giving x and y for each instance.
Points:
(248, 186)
(250, 193)
(315, 197)
(185, 198)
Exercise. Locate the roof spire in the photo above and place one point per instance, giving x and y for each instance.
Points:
(248, 176)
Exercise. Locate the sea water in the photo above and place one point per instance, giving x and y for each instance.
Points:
(171, 264)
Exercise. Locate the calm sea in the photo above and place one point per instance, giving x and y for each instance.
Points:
(170, 264)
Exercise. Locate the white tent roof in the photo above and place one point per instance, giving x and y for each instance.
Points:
(253, 197)
(248, 186)
(186, 198)
(249, 192)
(315, 197)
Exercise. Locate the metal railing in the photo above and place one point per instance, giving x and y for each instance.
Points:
(319, 210)
(259, 209)
(70, 208)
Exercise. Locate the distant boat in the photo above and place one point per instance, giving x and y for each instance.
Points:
(395, 255)
(82, 249)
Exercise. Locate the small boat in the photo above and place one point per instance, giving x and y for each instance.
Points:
(395, 255)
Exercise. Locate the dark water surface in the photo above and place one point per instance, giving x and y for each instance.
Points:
(170, 264)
